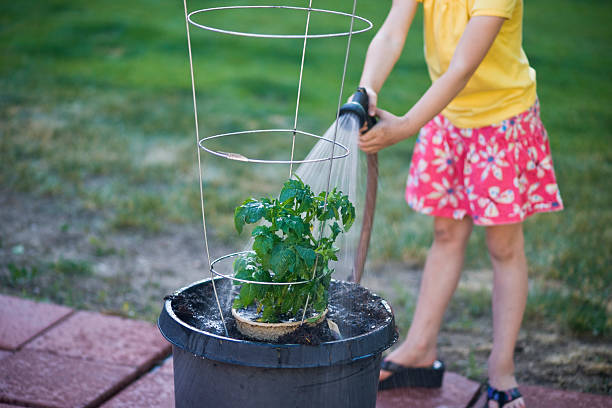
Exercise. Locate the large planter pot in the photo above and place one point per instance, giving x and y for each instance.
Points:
(214, 370)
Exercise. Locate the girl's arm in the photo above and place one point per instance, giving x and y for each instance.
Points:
(473, 46)
(385, 48)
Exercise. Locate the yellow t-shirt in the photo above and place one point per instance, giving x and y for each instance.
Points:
(504, 84)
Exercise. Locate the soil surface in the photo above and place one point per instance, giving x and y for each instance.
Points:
(55, 251)
(354, 309)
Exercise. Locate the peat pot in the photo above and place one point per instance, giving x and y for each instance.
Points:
(212, 369)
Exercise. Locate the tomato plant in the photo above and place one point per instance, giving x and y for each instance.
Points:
(287, 248)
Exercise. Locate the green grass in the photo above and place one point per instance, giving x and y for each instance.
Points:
(95, 107)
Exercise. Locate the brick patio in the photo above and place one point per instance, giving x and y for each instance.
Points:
(53, 356)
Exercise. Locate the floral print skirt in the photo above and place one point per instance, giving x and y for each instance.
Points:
(496, 174)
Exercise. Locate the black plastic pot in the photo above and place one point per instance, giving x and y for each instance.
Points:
(211, 370)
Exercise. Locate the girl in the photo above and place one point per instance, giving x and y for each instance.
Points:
(482, 157)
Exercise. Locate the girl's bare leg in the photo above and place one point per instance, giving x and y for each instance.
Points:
(440, 277)
(507, 252)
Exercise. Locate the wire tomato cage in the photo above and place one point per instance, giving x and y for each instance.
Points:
(201, 142)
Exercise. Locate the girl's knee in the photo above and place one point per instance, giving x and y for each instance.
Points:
(451, 232)
(505, 242)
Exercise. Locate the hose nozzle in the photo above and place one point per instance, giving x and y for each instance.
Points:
(358, 105)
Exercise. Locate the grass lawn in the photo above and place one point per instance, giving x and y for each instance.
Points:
(96, 112)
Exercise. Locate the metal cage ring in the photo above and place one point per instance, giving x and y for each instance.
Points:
(262, 35)
(212, 269)
(240, 157)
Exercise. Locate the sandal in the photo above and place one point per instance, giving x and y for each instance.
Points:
(493, 394)
(401, 376)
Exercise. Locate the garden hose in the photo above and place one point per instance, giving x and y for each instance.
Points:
(358, 105)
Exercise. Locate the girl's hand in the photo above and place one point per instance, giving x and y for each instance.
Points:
(372, 99)
(389, 130)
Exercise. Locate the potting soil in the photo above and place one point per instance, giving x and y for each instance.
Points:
(353, 308)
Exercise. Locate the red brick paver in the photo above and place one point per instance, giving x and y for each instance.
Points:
(22, 319)
(458, 390)
(103, 338)
(541, 397)
(37, 378)
(455, 393)
(155, 390)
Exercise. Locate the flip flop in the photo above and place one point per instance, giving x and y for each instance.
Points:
(502, 397)
(401, 376)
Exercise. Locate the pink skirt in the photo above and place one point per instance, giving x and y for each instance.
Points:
(498, 174)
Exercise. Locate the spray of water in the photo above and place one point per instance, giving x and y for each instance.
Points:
(346, 175)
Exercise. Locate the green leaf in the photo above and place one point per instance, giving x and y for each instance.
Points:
(320, 299)
(262, 245)
(270, 315)
(259, 291)
(328, 253)
(238, 303)
(245, 266)
(336, 230)
(286, 304)
(325, 211)
(243, 274)
(307, 254)
(291, 189)
(291, 225)
(247, 294)
(313, 319)
(298, 191)
(262, 276)
(348, 213)
(249, 212)
(261, 230)
(282, 259)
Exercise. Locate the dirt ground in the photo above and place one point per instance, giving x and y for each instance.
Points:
(544, 355)
(54, 251)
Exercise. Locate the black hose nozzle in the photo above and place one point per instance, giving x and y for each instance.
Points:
(358, 105)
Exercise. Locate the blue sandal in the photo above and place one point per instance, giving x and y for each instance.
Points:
(493, 394)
